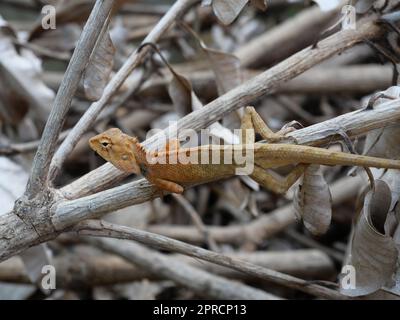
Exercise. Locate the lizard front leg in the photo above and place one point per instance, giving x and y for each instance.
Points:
(252, 120)
(276, 184)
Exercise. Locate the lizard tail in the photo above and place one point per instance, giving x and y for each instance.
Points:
(313, 155)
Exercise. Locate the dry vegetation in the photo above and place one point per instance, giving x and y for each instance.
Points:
(137, 65)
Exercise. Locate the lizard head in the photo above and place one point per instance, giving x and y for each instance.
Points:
(118, 148)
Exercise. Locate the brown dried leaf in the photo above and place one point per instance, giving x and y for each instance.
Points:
(97, 72)
(181, 93)
(373, 253)
(313, 201)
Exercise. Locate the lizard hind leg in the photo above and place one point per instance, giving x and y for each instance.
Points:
(252, 120)
(274, 183)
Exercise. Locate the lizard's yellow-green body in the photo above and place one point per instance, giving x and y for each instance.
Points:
(177, 167)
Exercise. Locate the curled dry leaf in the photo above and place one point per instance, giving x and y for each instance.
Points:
(313, 201)
(373, 252)
(97, 72)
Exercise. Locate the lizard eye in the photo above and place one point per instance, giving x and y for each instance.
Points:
(105, 143)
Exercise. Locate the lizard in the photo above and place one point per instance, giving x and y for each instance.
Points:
(128, 154)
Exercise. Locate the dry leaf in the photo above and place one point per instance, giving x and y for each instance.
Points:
(373, 253)
(181, 93)
(97, 72)
(20, 73)
(185, 100)
(313, 201)
(228, 10)
(226, 68)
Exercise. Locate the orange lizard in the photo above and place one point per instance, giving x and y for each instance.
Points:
(127, 154)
